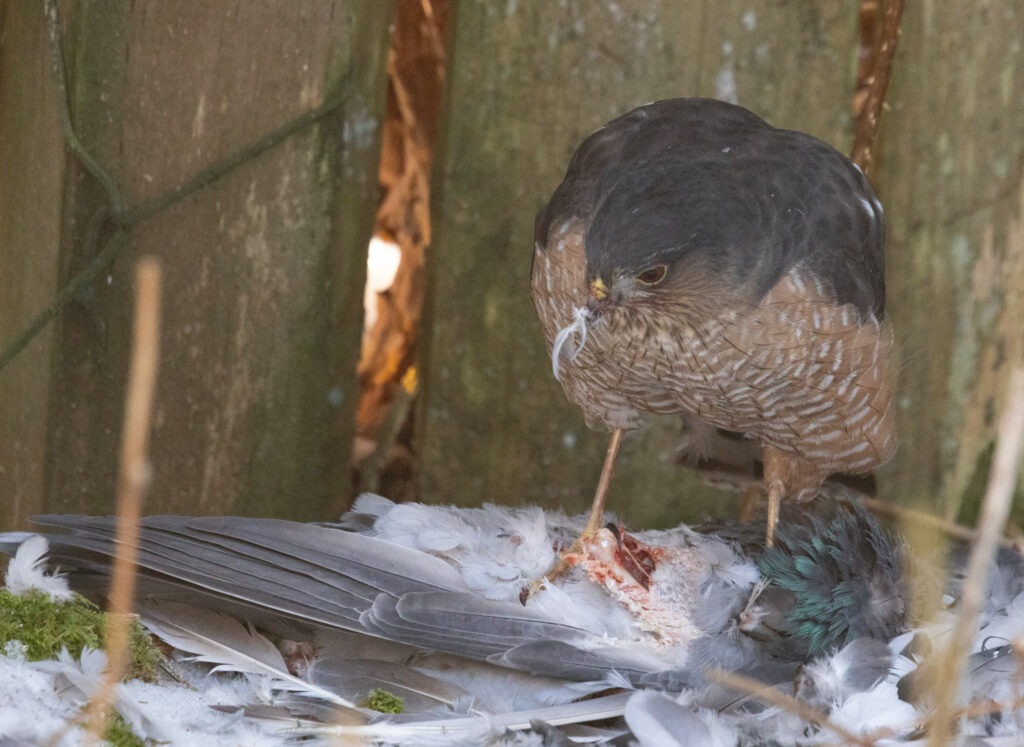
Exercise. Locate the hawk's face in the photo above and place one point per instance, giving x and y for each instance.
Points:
(625, 288)
(678, 284)
(657, 244)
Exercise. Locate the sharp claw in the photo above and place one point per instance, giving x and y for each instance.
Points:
(529, 590)
(559, 569)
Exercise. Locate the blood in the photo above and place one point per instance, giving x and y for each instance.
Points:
(636, 559)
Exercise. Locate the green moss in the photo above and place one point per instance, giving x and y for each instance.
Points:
(146, 657)
(120, 734)
(45, 626)
(383, 701)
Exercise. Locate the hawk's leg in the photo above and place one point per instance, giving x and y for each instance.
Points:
(594, 522)
(775, 492)
(750, 501)
(596, 519)
(786, 475)
(778, 472)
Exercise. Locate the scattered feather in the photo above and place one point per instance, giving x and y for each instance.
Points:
(878, 712)
(215, 638)
(418, 601)
(855, 668)
(78, 681)
(26, 571)
(580, 317)
(83, 676)
(659, 721)
(355, 679)
(477, 729)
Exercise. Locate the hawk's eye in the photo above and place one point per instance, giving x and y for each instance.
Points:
(653, 276)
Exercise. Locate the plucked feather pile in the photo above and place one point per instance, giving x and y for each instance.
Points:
(420, 604)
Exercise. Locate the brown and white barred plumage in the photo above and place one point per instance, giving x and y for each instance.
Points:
(804, 377)
(805, 374)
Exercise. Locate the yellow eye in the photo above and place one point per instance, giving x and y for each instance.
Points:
(653, 276)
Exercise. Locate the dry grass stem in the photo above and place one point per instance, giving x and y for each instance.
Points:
(771, 695)
(909, 515)
(994, 511)
(132, 482)
(985, 708)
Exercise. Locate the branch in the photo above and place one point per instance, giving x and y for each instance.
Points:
(882, 55)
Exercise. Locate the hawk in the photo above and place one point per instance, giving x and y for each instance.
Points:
(697, 261)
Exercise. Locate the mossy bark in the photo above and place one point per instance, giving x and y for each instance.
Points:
(31, 175)
(263, 269)
(951, 176)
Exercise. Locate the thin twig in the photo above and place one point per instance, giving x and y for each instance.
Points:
(911, 516)
(128, 217)
(387, 436)
(989, 707)
(113, 246)
(212, 173)
(773, 696)
(982, 708)
(117, 205)
(111, 249)
(132, 482)
(994, 511)
(882, 55)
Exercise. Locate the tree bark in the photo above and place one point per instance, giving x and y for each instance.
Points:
(952, 182)
(263, 268)
(31, 175)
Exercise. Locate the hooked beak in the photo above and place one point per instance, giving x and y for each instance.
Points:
(599, 299)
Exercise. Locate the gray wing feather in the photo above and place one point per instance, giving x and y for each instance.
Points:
(354, 678)
(226, 574)
(561, 659)
(333, 578)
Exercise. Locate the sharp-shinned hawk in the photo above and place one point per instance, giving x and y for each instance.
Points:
(696, 261)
